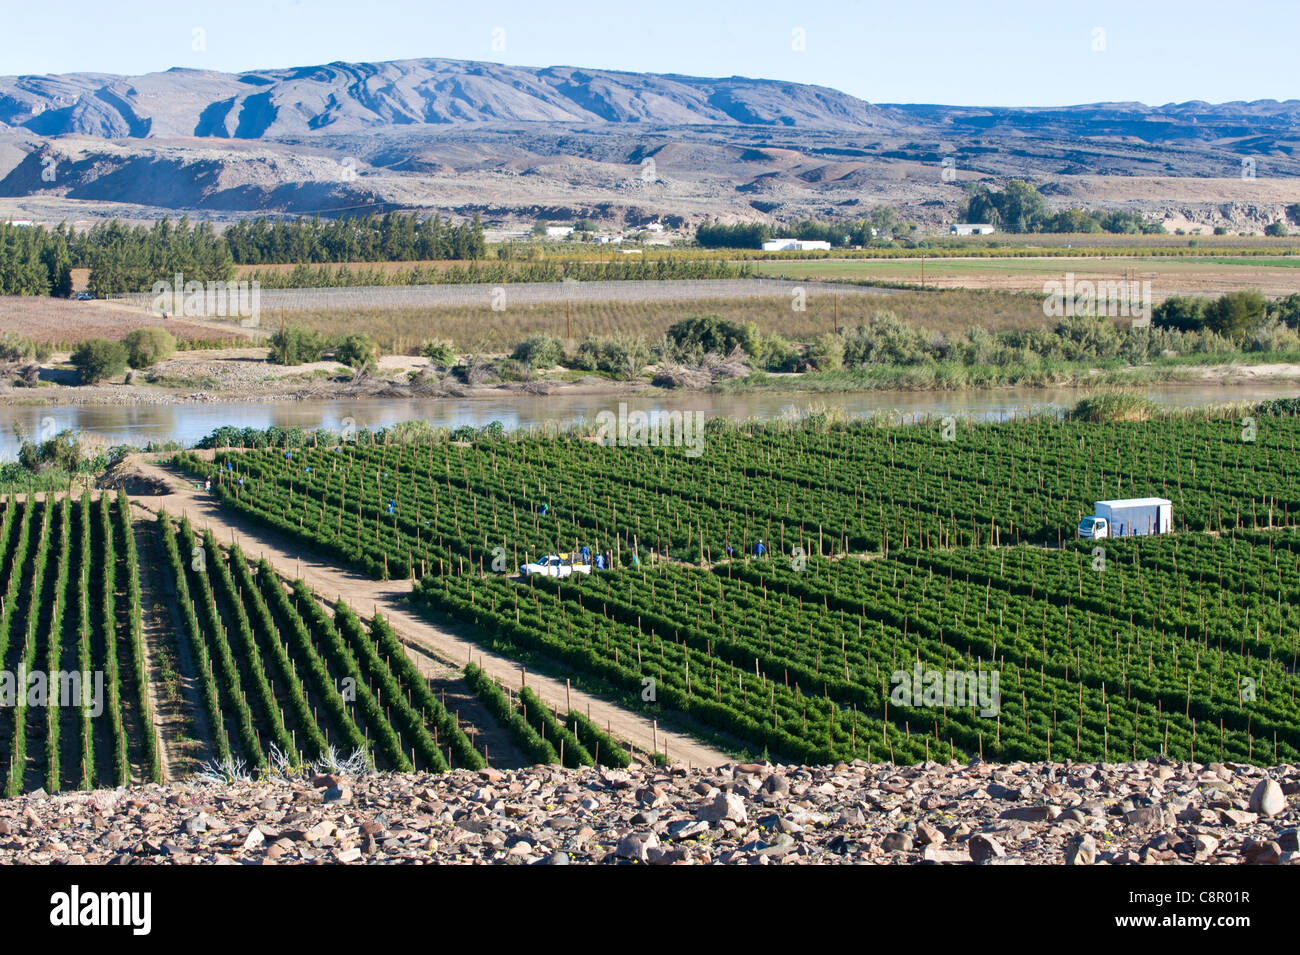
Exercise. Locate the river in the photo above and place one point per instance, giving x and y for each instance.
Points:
(187, 423)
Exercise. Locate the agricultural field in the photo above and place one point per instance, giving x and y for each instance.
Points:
(71, 605)
(64, 322)
(410, 509)
(278, 680)
(1275, 276)
(638, 309)
(271, 662)
(939, 547)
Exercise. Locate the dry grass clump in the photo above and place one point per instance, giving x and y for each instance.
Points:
(712, 368)
(1113, 406)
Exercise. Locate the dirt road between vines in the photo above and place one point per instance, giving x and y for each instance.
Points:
(365, 596)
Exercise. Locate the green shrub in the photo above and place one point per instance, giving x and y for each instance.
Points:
(774, 353)
(603, 747)
(1236, 314)
(827, 353)
(357, 352)
(509, 369)
(1086, 336)
(97, 359)
(710, 333)
(439, 352)
(1181, 312)
(885, 339)
(539, 351)
(1271, 336)
(617, 355)
(146, 347)
(1286, 310)
(295, 344)
(14, 347)
(1279, 408)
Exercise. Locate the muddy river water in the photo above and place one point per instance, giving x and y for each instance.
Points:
(188, 422)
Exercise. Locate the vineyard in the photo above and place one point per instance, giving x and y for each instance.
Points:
(281, 674)
(70, 613)
(282, 680)
(888, 551)
(407, 510)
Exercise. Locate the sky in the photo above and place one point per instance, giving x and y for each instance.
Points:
(1000, 53)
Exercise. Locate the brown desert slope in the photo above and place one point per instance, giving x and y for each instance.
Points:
(517, 143)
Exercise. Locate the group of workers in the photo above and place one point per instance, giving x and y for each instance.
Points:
(604, 560)
(759, 549)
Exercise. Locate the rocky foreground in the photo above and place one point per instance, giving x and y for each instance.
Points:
(1153, 812)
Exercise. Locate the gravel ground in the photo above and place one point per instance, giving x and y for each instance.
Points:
(1152, 812)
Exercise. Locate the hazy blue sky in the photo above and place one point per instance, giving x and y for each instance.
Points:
(1005, 52)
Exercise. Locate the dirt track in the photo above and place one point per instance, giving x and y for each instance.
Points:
(366, 596)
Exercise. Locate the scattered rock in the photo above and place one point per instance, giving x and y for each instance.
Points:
(1237, 817)
(1008, 814)
(1082, 851)
(983, 847)
(724, 806)
(636, 846)
(338, 793)
(1148, 817)
(1267, 798)
(1029, 813)
(1262, 853)
(776, 785)
(928, 835)
(897, 842)
(935, 854)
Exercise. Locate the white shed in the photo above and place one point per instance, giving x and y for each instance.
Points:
(796, 245)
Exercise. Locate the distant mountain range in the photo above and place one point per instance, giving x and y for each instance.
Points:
(519, 141)
(339, 98)
(351, 97)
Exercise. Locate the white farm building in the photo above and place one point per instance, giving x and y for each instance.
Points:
(796, 245)
(972, 228)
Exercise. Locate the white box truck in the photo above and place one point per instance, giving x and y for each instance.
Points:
(1137, 515)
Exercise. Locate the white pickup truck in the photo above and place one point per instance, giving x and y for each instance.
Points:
(554, 565)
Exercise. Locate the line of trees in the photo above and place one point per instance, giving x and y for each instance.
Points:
(126, 258)
(34, 261)
(1234, 315)
(1019, 207)
(881, 225)
(392, 237)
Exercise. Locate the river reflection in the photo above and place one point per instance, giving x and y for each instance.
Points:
(187, 423)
